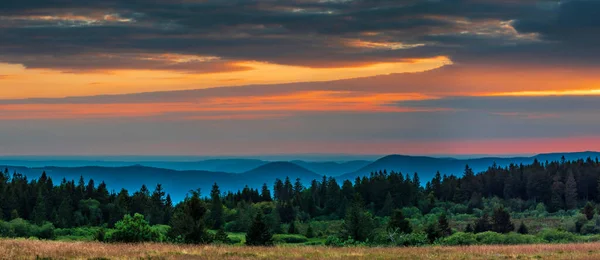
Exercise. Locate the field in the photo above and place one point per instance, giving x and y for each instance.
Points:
(32, 249)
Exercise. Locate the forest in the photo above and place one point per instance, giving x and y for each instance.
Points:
(543, 202)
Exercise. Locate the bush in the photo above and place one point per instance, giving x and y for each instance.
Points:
(289, 239)
(21, 228)
(558, 236)
(412, 239)
(133, 230)
(459, 239)
(490, 238)
(334, 241)
(521, 239)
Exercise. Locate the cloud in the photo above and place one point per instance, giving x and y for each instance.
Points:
(306, 33)
(509, 105)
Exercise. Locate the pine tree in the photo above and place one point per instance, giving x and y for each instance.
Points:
(571, 192)
(221, 236)
(39, 211)
(157, 204)
(388, 206)
(444, 225)
(432, 231)
(469, 229)
(14, 214)
(216, 209)
(523, 229)
(588, 211)
(265, 194)
(398, 222)
(292, 228)
(501, 221)
(482, 224)
(259, 234)
(310, 233)
(187, 222)
(358, 224)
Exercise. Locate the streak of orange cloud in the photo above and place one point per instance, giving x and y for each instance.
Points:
(52, 83)
(234, 107)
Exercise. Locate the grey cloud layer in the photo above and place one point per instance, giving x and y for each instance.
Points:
(309, 32)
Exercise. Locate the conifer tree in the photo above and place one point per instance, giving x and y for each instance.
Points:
(398, 222)
(588, 211)
(259, 234)
(570, 192)
(265, 194)
(216, 209)
(523, 229)
(444, 225)
(501, 221)
(483, 224)
(292, 228)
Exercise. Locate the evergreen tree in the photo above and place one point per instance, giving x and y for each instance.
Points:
(221, 236)
(292, 229)
(157, 205)
(432, 231)
(588, 211)
(444, 225)
(310, 233)
(216, 210)
(388, 206)
(187, 222)
(523, 229)
(570, 192)
(501, 221)
(469, 229)
(265, 194)
(259, 234)
(358, 224)
(483, 224)
(398, 222)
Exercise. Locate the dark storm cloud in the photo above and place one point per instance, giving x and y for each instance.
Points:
(55, 34)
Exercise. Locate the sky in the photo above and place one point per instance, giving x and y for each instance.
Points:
(250, 77)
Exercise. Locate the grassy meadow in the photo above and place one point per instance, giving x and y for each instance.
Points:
(38, 249)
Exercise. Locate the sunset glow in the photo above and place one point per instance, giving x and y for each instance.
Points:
(424, 77)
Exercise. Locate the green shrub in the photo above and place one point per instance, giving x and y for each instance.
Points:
(558, 236)
(133, 230)
(459, 239)
(521, 239)
(21, 228)
(489, 238)
(412, 239)
(334, 241)
(289, 239)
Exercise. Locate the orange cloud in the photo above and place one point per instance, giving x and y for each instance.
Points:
(221, 107)
(52, 83)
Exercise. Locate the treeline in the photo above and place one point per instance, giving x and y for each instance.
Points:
(361, 205)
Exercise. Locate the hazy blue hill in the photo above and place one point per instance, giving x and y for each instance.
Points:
(176, 183)
(270, 171)
(219, 165)
(179, 182)
(428, 166)
(332, 168)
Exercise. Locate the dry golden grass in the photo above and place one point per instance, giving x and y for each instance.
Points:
(30, 249)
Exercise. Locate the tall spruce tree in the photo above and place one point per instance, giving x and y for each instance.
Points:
(217, 214)
(570, 192)
(259, 233)
(501, 222)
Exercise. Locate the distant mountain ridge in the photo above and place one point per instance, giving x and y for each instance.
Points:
(179, 182)
(176, 183)
(427, 167)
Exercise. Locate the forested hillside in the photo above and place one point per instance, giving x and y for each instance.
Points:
(536, 198)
